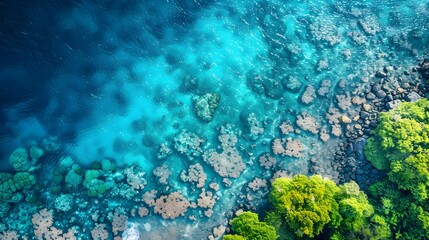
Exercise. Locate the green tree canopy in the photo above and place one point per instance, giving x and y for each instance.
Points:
(354, 207)
(400, 146)
(407, 217)
(308, 204)
(401, 132)
(233, 237)
(248, 226)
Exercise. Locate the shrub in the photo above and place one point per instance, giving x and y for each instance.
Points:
(311, 206)
(233, 237)
(400, 145)
(248, 226)
(308, 204)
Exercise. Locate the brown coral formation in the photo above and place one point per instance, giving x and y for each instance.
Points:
(307, 123)
(195, 174)
(228, 163)
(162, 173)
(267, 161)
(172, 205)
(289, 147)
(308, 95)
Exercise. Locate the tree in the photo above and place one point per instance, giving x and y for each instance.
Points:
(310, 206)
(354, 207)
(233, 237)
(247, 225)
(307, 204)
(400, 146)
(407, 218)
(401, 132)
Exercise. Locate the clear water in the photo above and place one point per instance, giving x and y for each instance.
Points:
(107, 79)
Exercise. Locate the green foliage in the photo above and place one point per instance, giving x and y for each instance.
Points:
(354, 207)
(277, 220)
(379, 228)
(402, 132)
(248, 225)
(412, 174)
(376, 155)
(233, 237)
(404, 129)
(359, 221)
(376, 228)
(399, 134)
(355, 213)
(274, 219)
(308, 204)
(400, 145)
(400, 210)
(311, 206)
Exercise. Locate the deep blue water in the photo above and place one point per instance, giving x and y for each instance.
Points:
(112, 78)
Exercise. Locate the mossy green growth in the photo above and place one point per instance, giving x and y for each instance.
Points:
(23, 180)
(310, 207)
(19, 160)
(405, 128)
(407, 217)
(95, 186)
(10, 185)
(400, 146)
(376, 155)
(412, 174)
(233, 237)
(248, 226)
(379, 228)
(307, 204)
(107, 165)
(401, 132)
(354, 207)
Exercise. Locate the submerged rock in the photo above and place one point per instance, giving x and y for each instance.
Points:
(380, 74)
(205, 105)
(370, 96)
(413, 96)
(424, 68)
(345, 119)
(358, 148)
(393, 104)
(381, 94)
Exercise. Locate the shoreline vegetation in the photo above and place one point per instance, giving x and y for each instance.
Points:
(303, 208)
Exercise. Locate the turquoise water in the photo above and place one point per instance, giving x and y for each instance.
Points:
(117, 79)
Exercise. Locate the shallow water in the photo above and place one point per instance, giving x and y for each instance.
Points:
(116, 79)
